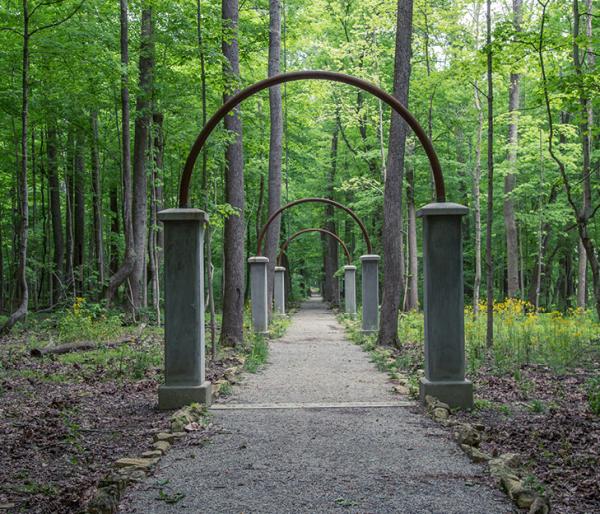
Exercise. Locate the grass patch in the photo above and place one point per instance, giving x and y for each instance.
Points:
(257, 354)
(279, 325)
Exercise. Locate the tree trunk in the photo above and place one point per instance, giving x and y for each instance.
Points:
(477, 202)
(115, 230)
(55, 215)
(155, 245)
(2, 286)
(331, 258)
(585, 131)
(234, 265)
(510, 179)
(209, 232)
(143, 118)
(70, 211)
(581, 216)
(21, 277)
(97, 201)
(393, 273)
(79, 215)
(275, 144)
(129, 261)
(412, 298)
(489, 258)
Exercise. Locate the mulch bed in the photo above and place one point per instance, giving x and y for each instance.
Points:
(59, 438)
(543, 416)
(550, 425)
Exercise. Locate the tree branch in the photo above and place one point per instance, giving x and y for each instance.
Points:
(59, 22)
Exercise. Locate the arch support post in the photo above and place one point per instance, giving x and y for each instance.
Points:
(370, 293)
(258, 294)
(444, 305)
(184, 310)
(279, 290)
(350, 290)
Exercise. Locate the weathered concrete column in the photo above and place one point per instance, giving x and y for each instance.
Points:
(184, 309)
(444, 305)
(258, 293)
(350, 289)
(279, 289)
(370, 293)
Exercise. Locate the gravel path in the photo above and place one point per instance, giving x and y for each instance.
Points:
(319, 430)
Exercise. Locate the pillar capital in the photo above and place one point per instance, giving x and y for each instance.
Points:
(349, 267)
(258, 260)
(167, 215)
(442, 209)
(370, 258)
(279, 268)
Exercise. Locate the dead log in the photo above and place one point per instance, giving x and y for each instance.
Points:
(80, 346)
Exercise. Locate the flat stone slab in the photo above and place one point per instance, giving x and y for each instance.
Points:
(314, 405)
(319, 430)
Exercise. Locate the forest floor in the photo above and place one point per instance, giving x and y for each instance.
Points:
(538, 412)
(65, 419)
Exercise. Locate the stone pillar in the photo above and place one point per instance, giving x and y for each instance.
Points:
(350, 290)
(444, 305)
(184, 309)
(258, 294)
(279, 289)
(370, 293)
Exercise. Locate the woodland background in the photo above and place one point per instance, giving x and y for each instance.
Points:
(101, 103)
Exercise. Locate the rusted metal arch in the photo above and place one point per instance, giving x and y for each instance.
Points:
(284, 246)
(263, 231)
(236, 99)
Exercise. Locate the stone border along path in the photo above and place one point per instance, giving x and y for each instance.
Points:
(318, 430)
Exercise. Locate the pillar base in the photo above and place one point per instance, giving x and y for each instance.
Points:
(174, 397)
(453, 392)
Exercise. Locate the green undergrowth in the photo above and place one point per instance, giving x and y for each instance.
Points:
(386, 359)
(257, 345)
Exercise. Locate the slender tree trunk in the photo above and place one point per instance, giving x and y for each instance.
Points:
(477, 201)
(393, 273)
(259, 207)
(331, 257)
(2, 286)
(581, 216)
(510, 179)
(55, 215)
(489, 258)
(115, 230)
(143, 119)
(155, 249)
(275, 143)
(412, 299)
(129, 261)
(70, 212)
(97, 201)
(209, 232)
(79, 215)
(234, 265)
(21, 277)
(585, 131)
